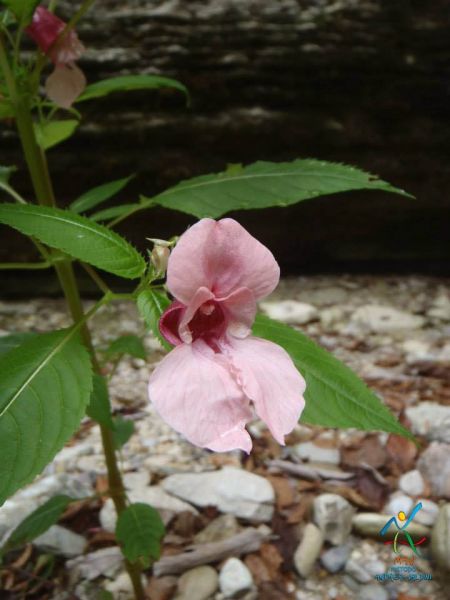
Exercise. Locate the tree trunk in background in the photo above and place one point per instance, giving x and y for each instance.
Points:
(358, 81)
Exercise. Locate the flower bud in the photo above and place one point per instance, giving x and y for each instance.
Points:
(160, 258)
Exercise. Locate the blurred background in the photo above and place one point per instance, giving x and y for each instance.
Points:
(365, 82)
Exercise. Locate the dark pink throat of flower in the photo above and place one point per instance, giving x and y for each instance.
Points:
(208, 323)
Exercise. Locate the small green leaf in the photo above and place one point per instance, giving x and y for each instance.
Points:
(53, 133)
(151, 305)
(45, 388)
(37, 523)
(335, 396)
(99, 194)
(115, 211)
(5, 174)
(22, 9)
(125, 83)
(139, 531)
(265, 184)
(8, 342)
(78, 236)
(127, 344)
(99, 407)
(123, 429)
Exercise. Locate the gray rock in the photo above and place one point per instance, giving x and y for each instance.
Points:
(308, 550)
(434, 464)
(441, 307)
(121, 586)
(370, 524)
(219, 529)
(398, 501)
(334, 559)
(357, 571)
(333, 515)
(234, 578)
(106, 562)
(199, 583)
(440, 538)
(385, 319)
(427, 515)
(61, 541)
(412, 483)
(364, 564)
(312, 452)
(232, 490)
(372, 591)
(290, 311)
(431, 420)
(331, 317)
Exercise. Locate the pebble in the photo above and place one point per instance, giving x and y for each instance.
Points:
(372, 591)
(199, 583)
(370, 524)
(106, 562)
(434, 464)
(219, 529)
(308, 551)
(427, 515)
(385, 319)
(311, 452)
(121, 587)
(412, 483)
(363, 563)
(234, 578)
(334, 559)
(290, 311)
(441, 307)
(331, 317)
(333, 515)
(398, 501)
(431, 420)
(440, 538)
(231, 490)
(61, 541)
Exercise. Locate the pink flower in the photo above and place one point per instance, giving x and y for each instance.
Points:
(218, 375)
(67, 81)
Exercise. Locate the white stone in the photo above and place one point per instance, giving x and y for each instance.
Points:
(440, 538)
(136, 481)
(61, 541)
(308, 551)
(385, 319)
(290, 311)
(312, 452)
(122, 587)
(370, 524)
(153, 495)
(398, 502)
(333, 515)
(234, 578)
(330, 317)
(434, 464)
(412, 483)
(441, 307)
(231, 490)
(431, 420)
(417, 350)
(427, 515)
(199, 583)
(106, 562)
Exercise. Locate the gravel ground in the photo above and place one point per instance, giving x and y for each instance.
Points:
(316, 496)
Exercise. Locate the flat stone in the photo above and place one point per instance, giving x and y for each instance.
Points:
(412, 483)
(231, 490)
(290, 311)
(106, 562)
(431, 420)
(440, 538)
(372, 591)
(199, 583)
(335, 558)
(434, 464)
(61, 541)
(312, 452)
(385, 319)
(308, 550)
(371, 524)
(398, 501)
(221, 528)
(428, 514)
(234, 578)
(333, 515)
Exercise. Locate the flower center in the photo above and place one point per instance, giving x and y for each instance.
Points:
(208, 322)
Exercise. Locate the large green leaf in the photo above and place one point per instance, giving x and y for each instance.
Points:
(8, 342)
(54, 132)
(99, 407)
(45, 387)
(23, 9)
(99, 194)
(125, 83)
(151, 305)
(37, 523)
(265, 184)
(139, 531)
(335, 396)
(115, 211)
(76, 235)
(127, 344)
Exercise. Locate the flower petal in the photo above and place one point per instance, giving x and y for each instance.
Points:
(241, 310)
(223, 257)
(194, 392)
(201, 296)
(65, 84)
(269, 378)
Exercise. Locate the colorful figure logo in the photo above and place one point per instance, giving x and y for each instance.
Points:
(402, 529)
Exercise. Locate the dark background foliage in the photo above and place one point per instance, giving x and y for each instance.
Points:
(357, 81)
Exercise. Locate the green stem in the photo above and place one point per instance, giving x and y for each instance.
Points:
(25, 265)
(38, 168)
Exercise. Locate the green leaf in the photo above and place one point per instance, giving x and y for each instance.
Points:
(151, 305)
(335, 396)
(265, 184)
(76, 235)
(99, 194)
(53, 133)
(8, 342)
(127, 344)
(37, 523)
(139, 531)
(115, 211)
(123, 429)
(45, 388)
(23, 9)
(125, 83)
(99, 407)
